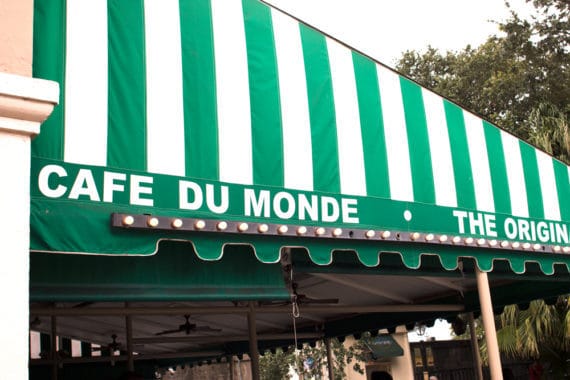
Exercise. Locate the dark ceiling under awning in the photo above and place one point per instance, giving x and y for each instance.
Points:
(88, 294)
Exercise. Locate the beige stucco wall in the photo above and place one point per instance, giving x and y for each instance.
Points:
(24, 103)
(16, 25)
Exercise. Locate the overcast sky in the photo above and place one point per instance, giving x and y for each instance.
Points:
(384, 29)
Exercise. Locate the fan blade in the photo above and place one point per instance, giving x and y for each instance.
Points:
(206, 329)
(306, 300)
(168, 332)
(274, 303)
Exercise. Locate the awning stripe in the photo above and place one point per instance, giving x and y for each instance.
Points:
(498, 169)
(86, 83)
(297, 151)
(49, 50)
(548, 186)
(372, 127)
(515, 175)
(232, 91)
(397, 148)
(351, 160)
(127, 91)
(561, 173)
(199, 94)
(267, 135)
(443, 177)
(459, 152)
(479, 162)
(418, 139)
(326, 176)
(532, 180)
(165, 118)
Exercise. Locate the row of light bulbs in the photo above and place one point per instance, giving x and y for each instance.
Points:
(243, 227)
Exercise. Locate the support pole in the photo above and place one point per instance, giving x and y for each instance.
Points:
(129, 328)
(330, 363)
(232, 367)
(53, 349)
(475, 347)
(489, 324)
(253, 350)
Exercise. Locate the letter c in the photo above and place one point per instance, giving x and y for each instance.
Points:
(43, 181)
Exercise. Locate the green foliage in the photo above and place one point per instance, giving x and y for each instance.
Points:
(550, 131)
(509, 75)
(275, 366)
(540, 332)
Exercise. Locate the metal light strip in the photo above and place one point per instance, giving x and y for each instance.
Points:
(167, 223)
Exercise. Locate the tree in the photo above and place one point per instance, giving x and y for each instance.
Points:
(520, 81)
(540, 332)
(508, 76)
(311, 360)
(275, 366)
(550, 130)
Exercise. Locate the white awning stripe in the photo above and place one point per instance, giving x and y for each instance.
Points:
(548, 186)
(442, 164)
(350, 153)
(232, 91)
(397, 148)
(515, 175)
(86, 83)
(479, 162)
(296, 124)
(165, 110)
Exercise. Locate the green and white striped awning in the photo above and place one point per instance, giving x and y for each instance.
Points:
(233, 111)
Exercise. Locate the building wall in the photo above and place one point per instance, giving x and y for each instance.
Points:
(16, 27)
(24, 104)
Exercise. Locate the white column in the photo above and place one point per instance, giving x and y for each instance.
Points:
(24, 103)
(489, 324)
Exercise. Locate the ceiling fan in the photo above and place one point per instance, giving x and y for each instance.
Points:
(188, 328)
(302, 299)
(112, 346)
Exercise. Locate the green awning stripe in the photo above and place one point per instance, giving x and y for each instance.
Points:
(498, 169)
(127, 122)
(200, 113)
(49, 63)
(372, 128)
(267, 135)
(461, 160)
(321, 108)
(418, 140)
(532, 181)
